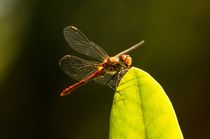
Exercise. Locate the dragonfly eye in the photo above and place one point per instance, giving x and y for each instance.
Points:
(126, 59)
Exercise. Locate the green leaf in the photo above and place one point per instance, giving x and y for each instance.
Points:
(142, 110)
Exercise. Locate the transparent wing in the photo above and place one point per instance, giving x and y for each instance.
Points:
(77, 68)
(80, 43)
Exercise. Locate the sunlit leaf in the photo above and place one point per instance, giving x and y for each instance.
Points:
(142, 110)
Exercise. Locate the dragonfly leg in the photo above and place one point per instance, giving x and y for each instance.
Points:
(113, 87)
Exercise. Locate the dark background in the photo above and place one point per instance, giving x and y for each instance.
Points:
(176, 54)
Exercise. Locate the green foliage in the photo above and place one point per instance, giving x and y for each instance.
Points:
(142, 110)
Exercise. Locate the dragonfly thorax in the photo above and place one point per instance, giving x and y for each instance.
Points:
(117, 63)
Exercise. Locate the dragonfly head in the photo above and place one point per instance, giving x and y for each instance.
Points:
(126, 60)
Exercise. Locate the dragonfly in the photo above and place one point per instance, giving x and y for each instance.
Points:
(105, 69)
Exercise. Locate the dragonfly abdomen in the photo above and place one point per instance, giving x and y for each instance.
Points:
(71, 88)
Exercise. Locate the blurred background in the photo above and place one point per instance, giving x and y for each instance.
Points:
(176, 54)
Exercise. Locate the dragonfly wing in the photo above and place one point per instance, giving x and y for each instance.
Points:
(80, 43)
(77, 68)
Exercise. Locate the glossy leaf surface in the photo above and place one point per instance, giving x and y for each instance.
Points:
(142, 110)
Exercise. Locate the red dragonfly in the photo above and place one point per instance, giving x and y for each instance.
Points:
(106, 70)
